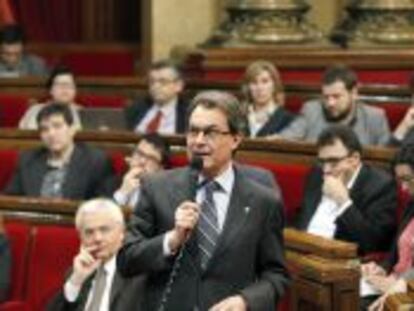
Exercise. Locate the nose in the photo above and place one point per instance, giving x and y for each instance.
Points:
(327, 169)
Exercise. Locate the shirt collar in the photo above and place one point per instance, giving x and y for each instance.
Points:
(168, 108)
(225, 179)
(110, 266)
(351, 182)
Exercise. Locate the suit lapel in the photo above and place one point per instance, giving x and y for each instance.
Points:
(358, 186)
(39, 170)
(117, 285)
(74, 170)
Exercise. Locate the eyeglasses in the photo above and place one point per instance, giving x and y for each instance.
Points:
(332, 161)
(405, 178)
(142, 155)
(209, 133)
(161, 81)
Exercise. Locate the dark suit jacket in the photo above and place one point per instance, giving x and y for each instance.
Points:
(135, 112)
(248, 258)
(257, 174)
(277, 122)
(125, 295)
(393, 256)
(370, 221)
(5, 267)
(87, 168)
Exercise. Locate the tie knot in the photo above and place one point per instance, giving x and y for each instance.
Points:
(212, 186)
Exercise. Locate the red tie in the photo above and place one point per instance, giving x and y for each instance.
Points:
(154, 124)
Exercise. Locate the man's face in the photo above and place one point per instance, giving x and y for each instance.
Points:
(336, 160)
(209, 137)
(102, 233)
(56, 134)
(11, 54)
(338, 102)
(262, 88)
(405, 175)
(146, 157)
(63, 89)
(164, 85)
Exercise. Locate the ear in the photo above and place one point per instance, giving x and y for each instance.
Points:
(237, 139)
(354, 93)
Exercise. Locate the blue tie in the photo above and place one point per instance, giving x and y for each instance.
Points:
(208, 228)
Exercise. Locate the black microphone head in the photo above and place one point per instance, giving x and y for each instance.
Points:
(196, 163)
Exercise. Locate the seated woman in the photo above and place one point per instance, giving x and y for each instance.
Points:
(391, 275)
(61, 85)
(263, 96)
(5, 262)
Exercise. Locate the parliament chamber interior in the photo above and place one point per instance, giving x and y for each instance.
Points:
(111, 48)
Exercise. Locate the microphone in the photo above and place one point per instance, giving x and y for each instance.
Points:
(196, 165)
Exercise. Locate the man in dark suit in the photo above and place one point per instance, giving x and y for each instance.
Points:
(61, 168)
(150, 155)
(210, 240)
(5, 263)
(164, 110)
(346, 199)
(94, 283)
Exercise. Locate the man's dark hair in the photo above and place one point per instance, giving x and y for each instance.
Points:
(224, 101)
(11, 34)
(167, 63)
(58, 71)
(342, 133)
(55, 109)
(161, 145)
(340, 73)
(405, 155)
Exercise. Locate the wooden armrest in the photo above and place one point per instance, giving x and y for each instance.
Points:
(400, 302)
(303, 242)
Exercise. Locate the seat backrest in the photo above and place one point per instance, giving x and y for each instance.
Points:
(99, 100)
(8, 163)
(52, 252)
(12, 109)
(18, 234)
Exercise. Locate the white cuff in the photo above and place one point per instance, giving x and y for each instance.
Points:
(166, 246)
(71, 291)
(120, 197)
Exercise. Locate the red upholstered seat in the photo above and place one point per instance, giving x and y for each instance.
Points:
(52, 253)
(119, 165)
(15, 306)
(106, 63)
(12, 108)
(18, 234)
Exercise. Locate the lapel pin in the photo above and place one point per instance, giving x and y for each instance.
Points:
(247, 209)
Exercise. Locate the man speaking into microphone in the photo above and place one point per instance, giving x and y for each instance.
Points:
(208, 236)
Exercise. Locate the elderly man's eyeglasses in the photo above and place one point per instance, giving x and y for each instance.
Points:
(332, 161)
(405, 178)
(209, 133)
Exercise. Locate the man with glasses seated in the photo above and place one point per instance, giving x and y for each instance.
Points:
(164, 110)
(346, 199)
(150, 155)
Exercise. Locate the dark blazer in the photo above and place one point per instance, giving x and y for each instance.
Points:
(125, 295)
(135, 112)
(393, 256)
(248, 258)
(5, 267)
(277, 122)
(370, 221)
(88, 167)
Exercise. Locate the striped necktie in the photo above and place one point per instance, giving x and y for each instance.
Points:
(98, 290)
(208, 228)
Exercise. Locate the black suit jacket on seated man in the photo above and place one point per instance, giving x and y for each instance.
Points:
(370, 221)
(124, 295)
(248, 258)
(88, 167)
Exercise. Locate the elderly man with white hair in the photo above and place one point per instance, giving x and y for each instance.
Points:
(94, 283)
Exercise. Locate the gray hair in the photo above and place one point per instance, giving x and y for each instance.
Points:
(224, 101)
(99, 205)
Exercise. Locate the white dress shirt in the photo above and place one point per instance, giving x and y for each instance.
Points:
(71, 291)
(168, 120)
(323, 222)
(221, 200)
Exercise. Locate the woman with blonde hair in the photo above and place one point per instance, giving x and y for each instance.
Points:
(264, 99)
